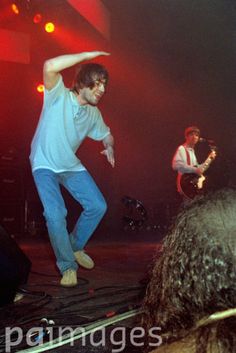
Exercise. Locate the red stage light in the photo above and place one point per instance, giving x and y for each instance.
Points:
(15, 9)
(49, 27)
(37, 18)
(40, 88)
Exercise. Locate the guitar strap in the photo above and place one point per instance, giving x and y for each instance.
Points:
(188, 156)
(179, 188)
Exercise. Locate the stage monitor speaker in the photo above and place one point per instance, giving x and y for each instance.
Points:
(15, 267)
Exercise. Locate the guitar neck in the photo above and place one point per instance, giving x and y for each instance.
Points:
(207, 162)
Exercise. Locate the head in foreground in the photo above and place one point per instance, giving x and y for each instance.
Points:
(195, 277)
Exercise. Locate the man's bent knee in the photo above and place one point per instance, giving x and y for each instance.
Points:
(100, 207)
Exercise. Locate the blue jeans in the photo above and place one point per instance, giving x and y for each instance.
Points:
(83, 188)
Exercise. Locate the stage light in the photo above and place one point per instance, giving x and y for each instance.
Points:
(40, 88)
(49, 27)
(37, 18)
(15, 9)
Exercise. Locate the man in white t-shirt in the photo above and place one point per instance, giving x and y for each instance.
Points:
(67, 118)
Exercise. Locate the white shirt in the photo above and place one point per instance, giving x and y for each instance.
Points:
(180, 162)
(62, 127)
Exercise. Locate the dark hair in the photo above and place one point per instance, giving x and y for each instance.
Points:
(191, 129)
(195, 276)
(87, 74)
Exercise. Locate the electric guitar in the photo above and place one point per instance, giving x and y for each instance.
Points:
(191, 184)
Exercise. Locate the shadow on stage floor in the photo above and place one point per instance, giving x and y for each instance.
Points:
(99, 315)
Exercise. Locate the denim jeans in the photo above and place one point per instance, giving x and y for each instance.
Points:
(83, 188)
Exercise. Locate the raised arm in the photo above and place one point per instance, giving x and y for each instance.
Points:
(53, 66)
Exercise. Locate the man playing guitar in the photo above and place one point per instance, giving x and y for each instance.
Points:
(190, 173)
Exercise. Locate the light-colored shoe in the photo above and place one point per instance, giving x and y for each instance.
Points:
(84, 260)
(69, 278)
(18, 297)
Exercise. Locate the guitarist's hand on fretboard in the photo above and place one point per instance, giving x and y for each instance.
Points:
(208, 161)
(212, 155)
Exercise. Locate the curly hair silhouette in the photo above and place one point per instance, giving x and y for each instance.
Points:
(193, 282)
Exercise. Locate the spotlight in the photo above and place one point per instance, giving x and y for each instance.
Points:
(40, 88)
(49, 27)
(37, 18)
(15, 9)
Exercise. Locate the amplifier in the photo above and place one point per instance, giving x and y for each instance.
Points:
(12, 217)
(11, 184)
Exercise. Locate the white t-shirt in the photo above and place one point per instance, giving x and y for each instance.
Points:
(180, 162)
(62, 127)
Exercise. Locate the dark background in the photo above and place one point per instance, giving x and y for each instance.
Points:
(172, 65)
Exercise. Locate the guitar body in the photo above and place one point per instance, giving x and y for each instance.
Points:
(191, 185)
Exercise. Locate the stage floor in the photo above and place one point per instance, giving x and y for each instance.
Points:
(113, 290)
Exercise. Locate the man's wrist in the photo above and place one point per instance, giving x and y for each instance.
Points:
(108, 146)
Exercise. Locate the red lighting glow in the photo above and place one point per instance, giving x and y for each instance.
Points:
(69, 39)
(15, 9)
(49, 27)
(40, 88)
(15, 46)
(95, 12)
(37, 18)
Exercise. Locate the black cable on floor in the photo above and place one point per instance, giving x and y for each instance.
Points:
(57, 315)
(92, 291)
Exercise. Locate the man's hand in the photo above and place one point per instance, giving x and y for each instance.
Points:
(204, 166)
(199, 171)
(109, 153)
(94, 54)
(108, 143)
(212, 155)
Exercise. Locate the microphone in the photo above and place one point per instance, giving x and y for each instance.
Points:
(210, 141)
